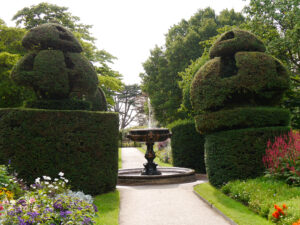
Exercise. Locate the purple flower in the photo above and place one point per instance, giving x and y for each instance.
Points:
(33, 214)
(95, 208)
(65, 213)
(58, 205)
(86, 221)
(22, 202)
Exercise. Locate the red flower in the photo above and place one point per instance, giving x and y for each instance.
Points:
(284, 206)
(276, 214)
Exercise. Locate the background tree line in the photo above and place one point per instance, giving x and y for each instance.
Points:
(170, 68)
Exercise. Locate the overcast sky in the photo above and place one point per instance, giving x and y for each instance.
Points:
(127, 29)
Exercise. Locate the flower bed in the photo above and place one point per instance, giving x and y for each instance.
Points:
(47, 201)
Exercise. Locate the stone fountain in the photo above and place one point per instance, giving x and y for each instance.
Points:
(150, 174)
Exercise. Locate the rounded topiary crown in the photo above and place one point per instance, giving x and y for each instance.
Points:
(239, 74)
(51, 36)
(55, 69)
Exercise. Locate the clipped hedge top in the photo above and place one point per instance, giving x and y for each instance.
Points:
(53, 36)
(235, 41)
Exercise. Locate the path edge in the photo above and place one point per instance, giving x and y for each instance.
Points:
(214, 208)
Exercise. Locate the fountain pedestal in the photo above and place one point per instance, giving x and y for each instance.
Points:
(150, 166)
(150, 136)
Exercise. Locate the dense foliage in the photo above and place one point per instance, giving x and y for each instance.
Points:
(261, 194)
(187, 146)
(55, 69)
(235, 97)
(277, 23)
(82, 144)
(282, 158)
(160, 80)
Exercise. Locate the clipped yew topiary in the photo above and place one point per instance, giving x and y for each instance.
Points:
(187, 146)
(236, 97)
(55, 69)
(63, 129)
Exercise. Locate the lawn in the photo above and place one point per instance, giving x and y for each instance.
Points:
(108, 206)
(236, 211)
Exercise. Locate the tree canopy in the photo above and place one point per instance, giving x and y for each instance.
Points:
(160, 80)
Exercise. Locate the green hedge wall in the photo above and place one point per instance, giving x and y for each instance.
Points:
(82, 144)
(63, 104)
(242, 117)
(237, 154)
(187, 146)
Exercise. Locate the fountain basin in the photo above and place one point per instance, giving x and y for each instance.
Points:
(149, 135)
(169, 175)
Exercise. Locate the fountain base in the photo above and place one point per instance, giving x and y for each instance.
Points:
(169, 175)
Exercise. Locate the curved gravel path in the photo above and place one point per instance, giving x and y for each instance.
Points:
(174, 204)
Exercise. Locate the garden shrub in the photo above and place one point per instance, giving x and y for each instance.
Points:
(237, 154)
(83, 144)
(55, 69)
(261, 194)
(282, 158)
(242, 117)
(187, 146)
(236, 97)
(62, 104)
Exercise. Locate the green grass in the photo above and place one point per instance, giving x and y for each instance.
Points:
(156, 160)
(108, 206)
(236, 211)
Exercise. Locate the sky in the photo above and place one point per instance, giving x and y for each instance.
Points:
(128, 29)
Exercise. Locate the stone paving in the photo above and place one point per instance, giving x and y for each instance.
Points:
(174, 204)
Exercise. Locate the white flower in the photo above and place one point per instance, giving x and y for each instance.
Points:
(50, 186)
(37, 180)
(61, 174)
(66, 180)
(55, 179)
(46, 182)
(46, 178)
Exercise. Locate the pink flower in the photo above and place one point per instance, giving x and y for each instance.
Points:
(32, 200)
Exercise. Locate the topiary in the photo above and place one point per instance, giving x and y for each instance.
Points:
(55, 69)
(240, 88)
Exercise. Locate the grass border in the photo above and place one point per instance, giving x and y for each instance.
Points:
(108, 205)
(235, 211)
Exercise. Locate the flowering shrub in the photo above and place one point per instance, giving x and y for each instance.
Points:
(279, 211)
(9, 186)
(282, 159)
(49, 202)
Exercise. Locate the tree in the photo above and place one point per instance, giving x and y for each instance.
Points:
(160, 80)
(128, 104)
(11, 51)
(277, 23)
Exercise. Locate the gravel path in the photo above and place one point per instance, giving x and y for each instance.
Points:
(174, 204)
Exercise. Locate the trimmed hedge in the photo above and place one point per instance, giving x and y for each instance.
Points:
(237, 154)
(63, 104)
(243, 117)
(257, 80)
(187, 146)
(82, 144)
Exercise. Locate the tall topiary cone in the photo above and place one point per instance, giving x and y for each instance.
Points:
(61, 77)
(236, 98)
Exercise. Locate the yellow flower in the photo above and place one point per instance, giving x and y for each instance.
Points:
(9, 195)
